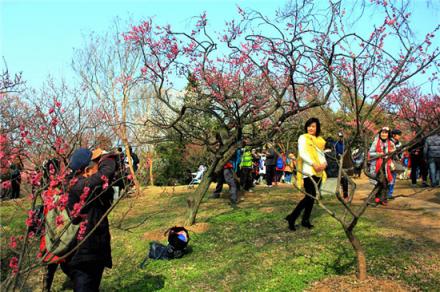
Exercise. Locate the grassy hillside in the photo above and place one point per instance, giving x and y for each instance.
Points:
(251, 249)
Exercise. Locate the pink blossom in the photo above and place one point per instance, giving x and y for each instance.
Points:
(13, 242)
(51, 110)
(63, 200)
(105, 179)
(59, 220)
(86, 191)
(13, 264)
(6, 185)
(30, 218)
(390, 21)
(82, 230)
(76, 210)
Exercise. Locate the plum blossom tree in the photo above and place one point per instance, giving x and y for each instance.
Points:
(37, 126)
(255, 83)
(10, 82)
(261, 72)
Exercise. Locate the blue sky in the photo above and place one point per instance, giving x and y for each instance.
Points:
(38, 37)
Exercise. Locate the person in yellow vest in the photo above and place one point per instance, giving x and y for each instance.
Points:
(311, 166)
(246, 168)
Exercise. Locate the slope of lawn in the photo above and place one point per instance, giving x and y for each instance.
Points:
(251, 249)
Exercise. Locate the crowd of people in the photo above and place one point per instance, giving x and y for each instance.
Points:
(319, 158)
(96, 177)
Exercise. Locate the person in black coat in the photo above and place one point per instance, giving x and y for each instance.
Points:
(86, 264)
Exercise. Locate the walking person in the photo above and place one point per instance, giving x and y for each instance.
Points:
(431, 152)
(86, 265)
(227, 175)
(395, 138)
(380, 165)
(340, 147)
(255, 167)
(279, 168)
(418, 164)
(288, 169)
(270, 163)
(246, 168)
(311, 166)
(262, 168)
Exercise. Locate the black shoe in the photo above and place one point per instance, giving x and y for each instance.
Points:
(233, 204)
(307, 225)
(292, 227)
(214, 196)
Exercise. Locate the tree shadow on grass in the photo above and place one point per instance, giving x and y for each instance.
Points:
(147, 283)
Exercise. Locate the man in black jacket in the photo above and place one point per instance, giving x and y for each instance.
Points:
(94, 194)
(418, 163)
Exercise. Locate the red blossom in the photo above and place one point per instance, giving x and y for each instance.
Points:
(59, 220)
(6, 184)
(31, 218)
(13, 264)
(13, 242)
(82, 230)
(105, 179)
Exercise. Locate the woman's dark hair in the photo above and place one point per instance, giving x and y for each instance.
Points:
(311, 121)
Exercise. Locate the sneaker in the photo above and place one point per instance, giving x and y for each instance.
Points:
(250, 191)
(269, 186)
(413, 185)
(424, 184)
(214, 196)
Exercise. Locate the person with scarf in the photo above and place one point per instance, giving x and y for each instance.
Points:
(311, 166)
(382, 164)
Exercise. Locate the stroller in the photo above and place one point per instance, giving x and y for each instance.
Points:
(197, 176)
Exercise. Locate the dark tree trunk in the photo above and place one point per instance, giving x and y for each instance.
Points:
(360, 255)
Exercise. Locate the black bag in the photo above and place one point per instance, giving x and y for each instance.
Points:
(178, 239)
(158, 251)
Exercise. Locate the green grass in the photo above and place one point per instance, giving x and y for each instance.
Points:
(250, 248)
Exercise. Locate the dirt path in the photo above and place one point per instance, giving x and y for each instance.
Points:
(414, 210)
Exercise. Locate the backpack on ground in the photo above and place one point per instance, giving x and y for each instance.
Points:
(178, 238)
(60, 235)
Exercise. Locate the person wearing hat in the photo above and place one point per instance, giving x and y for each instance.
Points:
(380, 166)
(86, 264)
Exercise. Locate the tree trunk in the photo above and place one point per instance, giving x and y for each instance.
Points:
(360, 255)
(151, 172)
(195, 200)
